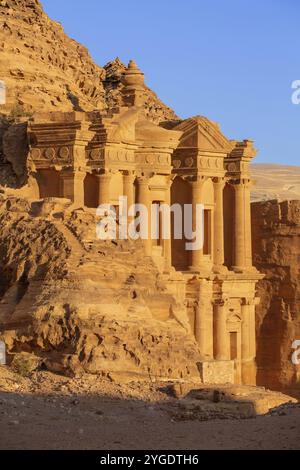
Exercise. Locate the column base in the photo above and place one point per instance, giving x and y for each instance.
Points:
(203, 271)
(221, 357)
(169, 270)
(220, 269)
(249, 371)
(245, 270)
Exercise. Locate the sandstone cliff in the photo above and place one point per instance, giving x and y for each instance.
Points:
(83, 305)
(276, 248)
(46, 70)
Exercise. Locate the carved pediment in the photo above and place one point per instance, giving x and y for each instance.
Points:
(202, 134)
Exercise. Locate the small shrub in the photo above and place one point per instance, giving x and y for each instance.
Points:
(24, 364)
(17, 113)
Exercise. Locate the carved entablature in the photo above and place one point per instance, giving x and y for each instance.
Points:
(47, 156)
(237, 169)
(184, 162)
(154, 161)
(111, 157)
(58, 139)
(237, 165)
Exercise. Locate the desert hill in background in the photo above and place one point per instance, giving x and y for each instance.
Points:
(281, 182)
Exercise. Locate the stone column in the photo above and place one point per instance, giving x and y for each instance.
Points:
(204, 319)
(144, 198)
(197, 189)
(221, 334)
(248, 342)
(218, 253)
(167, 244)
(200, 330)
(239, 228)
(128, 190)
(252, 321)
(72, 186)
(248, 225)
(104, 181)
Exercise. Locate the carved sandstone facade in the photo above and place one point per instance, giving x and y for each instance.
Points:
(94, 158)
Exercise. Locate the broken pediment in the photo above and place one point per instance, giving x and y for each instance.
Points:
(151, 135)
(122, 127)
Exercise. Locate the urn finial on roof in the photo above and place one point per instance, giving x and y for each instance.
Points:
(132, 64)
(134, 85)
(133, 76)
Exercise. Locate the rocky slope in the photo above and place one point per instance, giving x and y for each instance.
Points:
(44, 69)
(85, 305)
(276, 248)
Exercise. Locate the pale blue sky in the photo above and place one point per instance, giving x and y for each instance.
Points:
(233, 61)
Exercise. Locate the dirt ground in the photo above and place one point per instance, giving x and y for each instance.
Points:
(53, 412)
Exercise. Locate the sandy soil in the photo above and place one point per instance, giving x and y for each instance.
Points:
(275, 182)
(53, 412)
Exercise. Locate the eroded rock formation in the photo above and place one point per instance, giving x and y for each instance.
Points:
(276, 247)
(55, 73)
(83, 305)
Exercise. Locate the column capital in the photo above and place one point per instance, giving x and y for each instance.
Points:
(221, 302)
(247, 183)
(72, 173)
(204, 301)
(242, 183)
(219, 181)
(104, 177)
(200, 179)
(143, 181)
(104, 173)
(129, 173)
(170, 180)
(238, 186)
(250, 301)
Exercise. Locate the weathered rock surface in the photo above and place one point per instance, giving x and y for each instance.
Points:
(83, 305)
(230, 402)
(55, 73)
(276, 248)
(15, 150)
